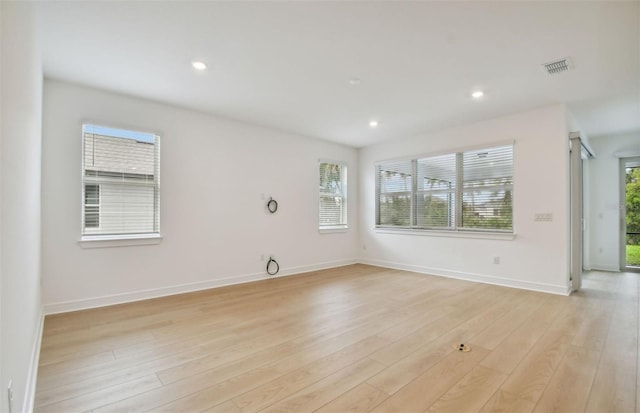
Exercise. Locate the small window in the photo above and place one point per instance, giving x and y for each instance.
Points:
(333, 195)
(121, 182)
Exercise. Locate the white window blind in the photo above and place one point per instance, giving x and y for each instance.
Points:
(436, 192)
(120, 182)
(394, 193)
(92, 206)
(333, 195)
(487, 188)
(470, 190)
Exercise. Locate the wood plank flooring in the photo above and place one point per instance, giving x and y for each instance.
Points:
(350, 339)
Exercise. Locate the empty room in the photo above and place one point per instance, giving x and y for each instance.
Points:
(310, 206)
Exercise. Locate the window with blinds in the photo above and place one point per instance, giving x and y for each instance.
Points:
(333, 195)
(120, 182)
(487, 188)
(470, 190)
(394, 193)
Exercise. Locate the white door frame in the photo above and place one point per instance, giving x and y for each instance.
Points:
(624, 164)
(579, 150)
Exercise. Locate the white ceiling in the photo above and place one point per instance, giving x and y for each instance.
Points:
(287, 65)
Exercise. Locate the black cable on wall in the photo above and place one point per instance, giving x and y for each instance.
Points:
(270, 264)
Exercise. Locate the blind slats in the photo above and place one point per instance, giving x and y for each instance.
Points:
(333, 195)
(121, 182)
(488, 188)
(465, 190)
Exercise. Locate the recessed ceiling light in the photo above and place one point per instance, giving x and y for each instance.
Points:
(198, 65)
(373, 123)
(477, 94)
(354, 81)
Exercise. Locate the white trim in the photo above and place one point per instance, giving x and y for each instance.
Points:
(333, 161)
(94, 302)
(505, 236)
(449, 151)
(314, 267)
(481, 278)
(631, 153)
(605, 267)
(125, 240)
(32, 375)
(333, 229)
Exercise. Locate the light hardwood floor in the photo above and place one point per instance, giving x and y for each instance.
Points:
(351, 339)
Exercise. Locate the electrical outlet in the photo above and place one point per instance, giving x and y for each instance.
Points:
(10, 395)
(496, 260)
(543, 217)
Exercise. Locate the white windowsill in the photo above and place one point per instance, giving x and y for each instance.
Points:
(333, 230)
(505, 236)
(106, 241)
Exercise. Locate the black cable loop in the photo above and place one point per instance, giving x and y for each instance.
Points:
(271, 260)
(272, 205)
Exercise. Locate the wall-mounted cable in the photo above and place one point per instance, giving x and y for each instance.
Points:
(272, 205)
(270, 264)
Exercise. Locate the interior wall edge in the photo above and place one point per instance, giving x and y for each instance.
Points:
(30, 389)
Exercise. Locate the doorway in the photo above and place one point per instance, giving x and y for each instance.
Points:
(630, 214)
(579, 152)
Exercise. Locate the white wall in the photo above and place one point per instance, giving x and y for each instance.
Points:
(538, 256)
(213, 218)
(20, 134)
(605, 212)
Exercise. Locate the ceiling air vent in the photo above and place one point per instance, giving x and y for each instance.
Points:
(557, 66)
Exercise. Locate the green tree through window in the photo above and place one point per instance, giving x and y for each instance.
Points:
(633, 204)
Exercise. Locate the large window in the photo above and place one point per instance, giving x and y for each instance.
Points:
(470, 190)
(333, 195)
(120, 182)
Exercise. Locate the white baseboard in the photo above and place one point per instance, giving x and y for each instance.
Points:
(605, 267)
(94, 302)
(481, 278)
(314, 267)
(103, 301)
(30, 387)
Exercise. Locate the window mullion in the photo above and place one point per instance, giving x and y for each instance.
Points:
(414, 193)
(378, 178)
(459, 190)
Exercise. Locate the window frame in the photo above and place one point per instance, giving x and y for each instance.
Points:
(458, 228)
(344, 174)
(97, 240)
